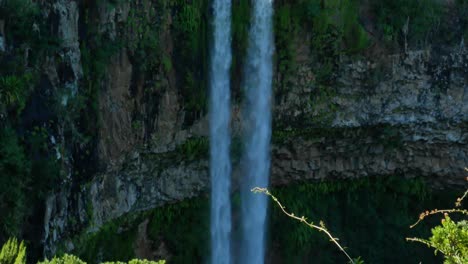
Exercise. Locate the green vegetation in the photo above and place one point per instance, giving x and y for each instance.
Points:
(21, 172)
(194, 148)
(333, 29)
(287, 28)
(302, 219)
(422, 18)
(388, 136)
(338, 21)
(241, 13)
(370, 216)
(172, 37)
(113, 241)
(97, 49)
(13, 252)
(143, 28)
(449, 238)
(14, 91)
(25, 27)
(14, 181)
(70, 259)
(65, 259)
(27, 42)
(462, 13)
(191, 52)
(334, 26)
(27, 168)
(180, 226)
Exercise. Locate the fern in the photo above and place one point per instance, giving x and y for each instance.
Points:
(13, 252)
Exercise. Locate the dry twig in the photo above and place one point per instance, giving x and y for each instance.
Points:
(302, 219)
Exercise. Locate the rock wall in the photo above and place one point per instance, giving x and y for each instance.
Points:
(402, 124)
(404, 114)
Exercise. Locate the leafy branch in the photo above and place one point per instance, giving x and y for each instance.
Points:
(303, 219)
(450, 238)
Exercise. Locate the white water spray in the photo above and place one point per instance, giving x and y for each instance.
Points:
(257, 120)
(220, 166)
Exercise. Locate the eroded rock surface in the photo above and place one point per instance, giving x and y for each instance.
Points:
(404, 114)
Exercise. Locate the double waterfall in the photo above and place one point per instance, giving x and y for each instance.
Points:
(257, 133)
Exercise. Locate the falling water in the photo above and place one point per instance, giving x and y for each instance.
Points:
(257, 121)
(220, 166)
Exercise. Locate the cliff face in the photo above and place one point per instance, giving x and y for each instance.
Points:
(140, 141)
(401, 125)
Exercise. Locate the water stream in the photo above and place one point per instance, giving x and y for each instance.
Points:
(220, 164)
(257, 124)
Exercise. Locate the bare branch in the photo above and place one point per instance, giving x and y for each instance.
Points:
(437, 211)
(302, 219)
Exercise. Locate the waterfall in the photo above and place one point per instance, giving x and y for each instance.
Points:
(257, 123)
(220, 166)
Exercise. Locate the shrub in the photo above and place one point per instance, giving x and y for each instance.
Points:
(450, 238)
(14, 91)
(13, 252)
(65, 259)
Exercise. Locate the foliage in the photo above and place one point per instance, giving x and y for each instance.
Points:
(371, 215)
(368, 214)
(191, 34)
(25, 27)
(355, 38)
(14, 181)
(70, 259)
(241, 14)
(333, 27)
(138, 261)
(21, 172)
(27, 40)
(393, 15)
(45, 168)
(13, 252)
(181, 226)
(194, 148)
(337, 20)
(143, 26)
(25, 171)
(462, 12)
(286, 30)
(65, 259)
(14, 91)
(450, 238)
(113, 241)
